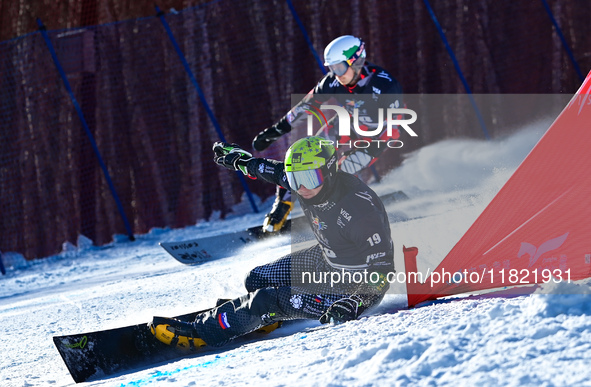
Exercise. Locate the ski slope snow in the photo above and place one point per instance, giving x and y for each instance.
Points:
(538, 340)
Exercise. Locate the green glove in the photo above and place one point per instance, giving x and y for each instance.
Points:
(231, 156)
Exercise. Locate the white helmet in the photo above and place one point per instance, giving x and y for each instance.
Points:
(343, 52)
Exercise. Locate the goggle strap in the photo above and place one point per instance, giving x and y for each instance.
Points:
(357, 54)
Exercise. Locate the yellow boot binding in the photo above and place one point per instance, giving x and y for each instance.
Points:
(269, 328)
(275, 219)
(175, 333)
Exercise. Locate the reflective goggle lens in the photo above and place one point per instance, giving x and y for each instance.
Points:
(310, 179)
(339, 68)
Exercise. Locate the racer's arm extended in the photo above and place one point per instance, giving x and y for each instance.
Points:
(272, 171)
(234, 158)
(284, 125)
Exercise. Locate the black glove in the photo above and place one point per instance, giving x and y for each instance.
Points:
(231, 156)
(266, 138)
(343, 310)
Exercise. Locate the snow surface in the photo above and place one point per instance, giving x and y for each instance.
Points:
(541, 340)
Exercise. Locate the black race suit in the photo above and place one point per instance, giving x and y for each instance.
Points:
(353, 234)
(376, 88)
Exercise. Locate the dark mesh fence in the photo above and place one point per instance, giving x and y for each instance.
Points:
(248, 57)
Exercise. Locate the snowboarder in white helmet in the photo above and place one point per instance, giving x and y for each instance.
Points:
(356, 84)
(345, 57)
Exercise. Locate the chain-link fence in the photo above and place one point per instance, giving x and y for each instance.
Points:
(154, 135)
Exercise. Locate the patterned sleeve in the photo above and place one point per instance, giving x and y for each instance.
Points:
(272, 171)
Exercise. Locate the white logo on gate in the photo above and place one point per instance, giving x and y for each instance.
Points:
(536, 252)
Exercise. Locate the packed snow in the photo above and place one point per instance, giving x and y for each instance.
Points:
(541, 340)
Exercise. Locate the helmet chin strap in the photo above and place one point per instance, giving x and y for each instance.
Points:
(355, 78)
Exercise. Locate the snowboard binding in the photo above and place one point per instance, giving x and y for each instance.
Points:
(276, 218)
(269, 328)
(175, 333)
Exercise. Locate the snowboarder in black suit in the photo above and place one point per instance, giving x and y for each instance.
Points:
(354, 83)
(335, 280)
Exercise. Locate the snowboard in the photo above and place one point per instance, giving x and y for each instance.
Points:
(102, 353)
(196, 251)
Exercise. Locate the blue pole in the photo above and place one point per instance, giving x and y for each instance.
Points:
(458, 69)
(43, 31)
(306, 36)
(214, 121)
(2, 269)
(563, 39)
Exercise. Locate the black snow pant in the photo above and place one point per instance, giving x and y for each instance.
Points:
(278, 292)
